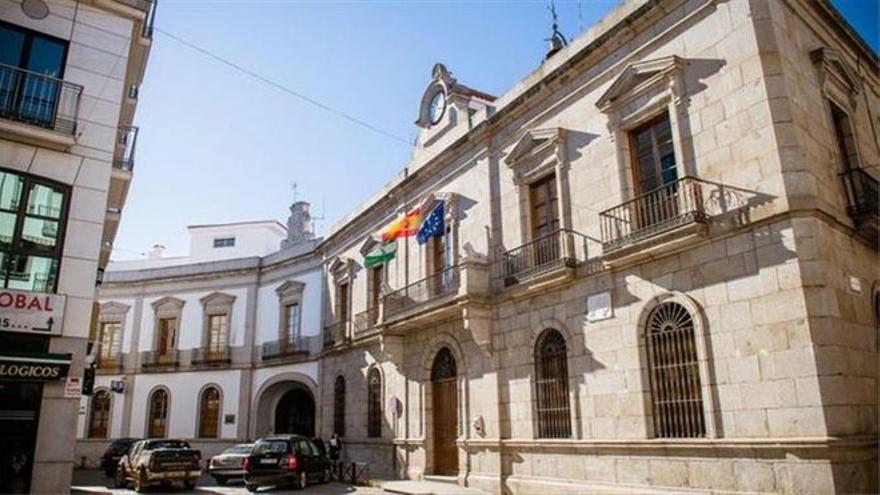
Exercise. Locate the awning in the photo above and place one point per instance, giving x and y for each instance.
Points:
(34, 367)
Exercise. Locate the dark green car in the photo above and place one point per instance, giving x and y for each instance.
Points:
(285, 460)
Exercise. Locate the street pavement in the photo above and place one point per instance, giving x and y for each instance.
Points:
(93, 481)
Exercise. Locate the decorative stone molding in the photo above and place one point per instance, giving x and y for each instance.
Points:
(648, 78)
(537, 153)
(342, 270)
(166, 307)
(837, 79)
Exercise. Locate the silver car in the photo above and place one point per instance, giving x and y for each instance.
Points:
(229, 464)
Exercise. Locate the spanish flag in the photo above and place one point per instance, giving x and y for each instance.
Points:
(407, 226)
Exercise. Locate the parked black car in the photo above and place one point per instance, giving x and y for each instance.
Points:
(114, 452)
(285, 460)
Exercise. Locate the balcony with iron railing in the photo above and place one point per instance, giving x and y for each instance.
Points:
(673, 212)
(336, 333)
(290, 348)
(126, 144)
(863, 203)
(37, 107)
(159, 360)
(212, 355)
(365, 322)
(556, 253)
(108, 362)
(422, 293)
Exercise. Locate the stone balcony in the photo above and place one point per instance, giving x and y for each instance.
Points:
(657, 222)
(211, 356)
(156, 361)
(548, 259)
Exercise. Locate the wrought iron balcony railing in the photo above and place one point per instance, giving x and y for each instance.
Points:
(212, 355)
(156, 359)
(670, 206)
(336, 333)
(365, 321)
(286, 347)
(39, 100)
(861, 192)
(558, 249)
(126, 143)
(109, 361)
(421, 292)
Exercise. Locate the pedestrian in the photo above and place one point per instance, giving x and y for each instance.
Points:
(335, 450)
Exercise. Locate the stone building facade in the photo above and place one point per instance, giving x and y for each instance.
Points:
(69, 78)
(652, 265)
(662, 272)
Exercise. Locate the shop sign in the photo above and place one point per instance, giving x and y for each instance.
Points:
(31, 312)
(34, 367)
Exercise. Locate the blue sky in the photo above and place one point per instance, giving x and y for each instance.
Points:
(217, 146)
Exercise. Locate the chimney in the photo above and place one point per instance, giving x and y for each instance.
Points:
(157, 251)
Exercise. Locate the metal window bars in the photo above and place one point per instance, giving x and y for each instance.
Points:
(297, 345)
(551, 386)
(212, 354)
(39, 99)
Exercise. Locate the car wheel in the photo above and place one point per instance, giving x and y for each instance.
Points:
(189, 484)
(119, 480)
(220, 480)
(140, 481)
(302, 481)
(251, 487)
(325, 475)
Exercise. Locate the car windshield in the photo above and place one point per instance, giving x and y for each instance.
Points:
(239, 449)
(166, 444)
(271, 447)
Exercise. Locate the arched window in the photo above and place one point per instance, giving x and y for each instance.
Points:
(676, 397)
(374, 404)
(209, 413)
(551, 386)
(158, 419)
(99, 420)
(339, 406)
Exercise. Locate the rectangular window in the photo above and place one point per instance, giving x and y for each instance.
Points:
(217, 331)
(32, 214)
(653, 155)
(845, 140)
(31, 65)
(167, 338)
(223, 242)
(342, 302)
(110, 342)
(291, 322)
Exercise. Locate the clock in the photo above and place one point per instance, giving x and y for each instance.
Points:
(437, 107)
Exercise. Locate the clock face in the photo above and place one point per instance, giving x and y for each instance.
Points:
(437, 107)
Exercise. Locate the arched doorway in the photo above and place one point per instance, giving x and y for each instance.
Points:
(444, 392)
(295, 413)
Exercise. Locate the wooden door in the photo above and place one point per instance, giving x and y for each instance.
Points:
(167, 338)
(444, 393)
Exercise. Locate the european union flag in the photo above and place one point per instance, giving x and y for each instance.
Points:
(433, 225)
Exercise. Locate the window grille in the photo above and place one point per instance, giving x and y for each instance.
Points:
(209, 413)
(100, 415)
(157, 427)
(551, 386)
(374, 404)
(339, 406)
(676, 398)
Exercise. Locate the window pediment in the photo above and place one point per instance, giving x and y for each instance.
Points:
(637, 78)
(342, 269)
(290, 288)
(113, 308)
(168, 304)
(217, 300)
(368, 245)
(836, 78)
(538, 152)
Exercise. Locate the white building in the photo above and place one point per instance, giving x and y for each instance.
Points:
(206, 346)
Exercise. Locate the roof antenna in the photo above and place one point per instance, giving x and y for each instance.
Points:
(293, 188)
(557, 40)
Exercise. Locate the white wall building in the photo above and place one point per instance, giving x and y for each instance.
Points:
(207, 345)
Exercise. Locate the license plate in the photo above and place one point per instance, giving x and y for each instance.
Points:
(268, 461)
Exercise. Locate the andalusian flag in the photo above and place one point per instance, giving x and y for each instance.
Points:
(407, 226)
(383, 253)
